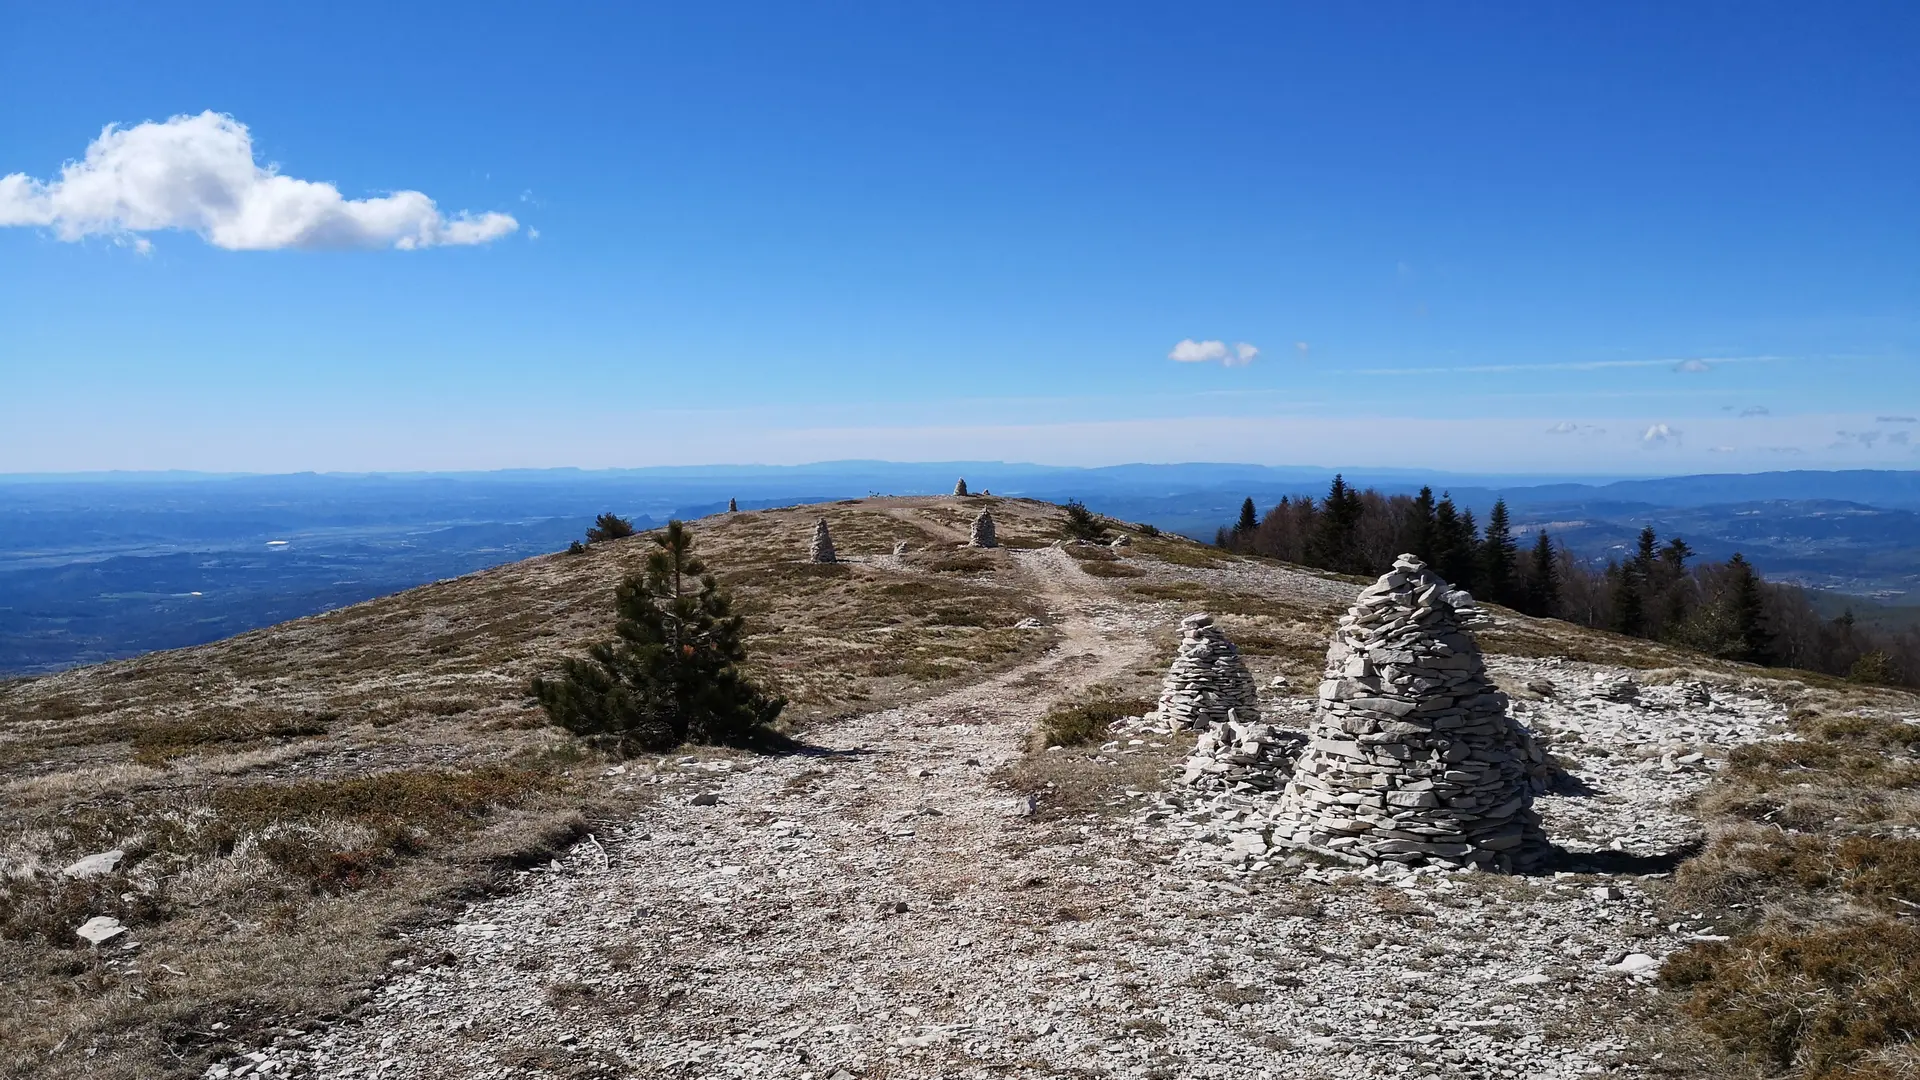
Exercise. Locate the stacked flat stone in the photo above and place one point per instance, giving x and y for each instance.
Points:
(982, 536)
(1465, 611)
(1243, 756)
(1208, 683)
(1413, 757)
(960, 486)
(1616, 688)
(821, 550)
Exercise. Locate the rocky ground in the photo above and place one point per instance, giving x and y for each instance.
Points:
(884, 905)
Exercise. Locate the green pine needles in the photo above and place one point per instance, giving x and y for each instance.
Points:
(671, 675)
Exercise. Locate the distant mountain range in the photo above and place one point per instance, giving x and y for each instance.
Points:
(106, 565)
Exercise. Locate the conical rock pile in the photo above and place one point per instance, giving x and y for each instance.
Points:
(1413, 757)
(821, 550)
(1208, 680)
(982, 536)
(960, 486)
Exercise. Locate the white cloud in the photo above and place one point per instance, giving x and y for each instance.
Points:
(1189, 351)
(1896, 420)
(198, 173)
(1302, 348)
(1724, 449)
(1660, 435)
(1693, 367)
(1864, 438)
(1755, 410)
(1568, 427)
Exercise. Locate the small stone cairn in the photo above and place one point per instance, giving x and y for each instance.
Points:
(821, 550)
(1412, 756)
(1208, 683)
(960, 486)
(982, 535)
(899, 548)
(733, 506)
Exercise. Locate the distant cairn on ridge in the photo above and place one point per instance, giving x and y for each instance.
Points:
(960, 486)
(1208, 683)
(982, 535)
(1412, 756)
(733, 506)
(821, 549)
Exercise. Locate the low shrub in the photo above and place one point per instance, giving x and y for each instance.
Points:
(1085, 721)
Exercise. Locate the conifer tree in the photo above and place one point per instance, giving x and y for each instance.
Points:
(1499, 557)
(609, 526)
(1249, 518)
(1339, 525)
(1625, 600)
(1452, 544)
(671, 675)
(1083, 524)
(1745, 613)
(1421, 541)
(1543, 579)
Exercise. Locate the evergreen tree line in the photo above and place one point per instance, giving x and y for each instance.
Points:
(1659, 592)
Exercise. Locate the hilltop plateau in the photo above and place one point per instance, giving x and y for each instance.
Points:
(351, 844)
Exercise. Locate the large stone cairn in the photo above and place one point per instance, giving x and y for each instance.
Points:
(1208, 683)
(1413, 757)
(960, 486)
(982, 536)
(821, 550)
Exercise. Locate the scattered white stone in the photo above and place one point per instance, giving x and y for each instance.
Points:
(100, 929)
(96, 865)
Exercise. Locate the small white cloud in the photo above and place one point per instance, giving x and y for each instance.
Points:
(1723, 449)
(1784, 450)
(1189, 351)
(1864, 438)
(1660, 435)
(1899, 438)
(198, 173)
(1755, 410)
(1896, 419)
(1302, 348)
(1568, 427)
(533, 233)
(1692, 367)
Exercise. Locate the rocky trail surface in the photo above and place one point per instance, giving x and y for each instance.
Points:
(882, 905)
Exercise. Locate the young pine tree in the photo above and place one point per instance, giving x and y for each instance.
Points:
(1083, 524)
(1499, 558)
(609, 526)
(671, 675)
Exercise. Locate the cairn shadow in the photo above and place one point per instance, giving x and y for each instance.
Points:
(1617, 862)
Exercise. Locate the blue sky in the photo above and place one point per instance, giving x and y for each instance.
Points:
(1624, 238)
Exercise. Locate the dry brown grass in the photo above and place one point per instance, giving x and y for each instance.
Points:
(1819, 842)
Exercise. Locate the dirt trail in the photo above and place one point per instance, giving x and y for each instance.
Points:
(866, 899)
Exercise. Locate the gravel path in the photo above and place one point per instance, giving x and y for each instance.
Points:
(879, 908)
